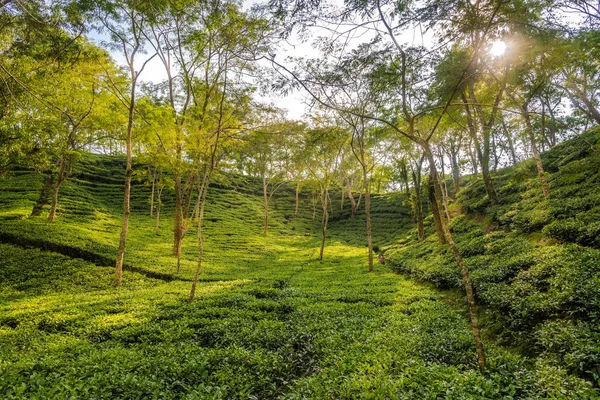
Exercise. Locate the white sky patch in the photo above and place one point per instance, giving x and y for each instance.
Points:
(498, 48)
(296, 103)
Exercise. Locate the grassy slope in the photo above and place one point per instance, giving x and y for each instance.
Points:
(270, 320)
(535, 263)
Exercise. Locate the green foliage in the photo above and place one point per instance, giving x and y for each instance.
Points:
(269, 321)
(535, 294)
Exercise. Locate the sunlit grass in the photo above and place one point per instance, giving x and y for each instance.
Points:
(269, 319)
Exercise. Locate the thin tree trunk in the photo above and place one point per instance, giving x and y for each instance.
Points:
(495, 153)
(360, 195)
(455, 171)
(127, 194)
(60, 179)
(404, 173)
(435, 209)
(472, 305)
(353, 206)
(543, 127)
(443, 188)
(552, 137)
(204, 191)
(152, 195)
(177, 225)
(324, 221)
(416, 176)
(536, 153)
(343, 197)
(592, 110)
(473, 158)
(482, 154)
(182, 214)
(197, 206)
(297, 198)
(511, 145)
(44, 194)
(157, 226)
(368, 213)
(266, 205)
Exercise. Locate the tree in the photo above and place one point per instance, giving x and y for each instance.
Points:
(323, 145)
(125, 21)
(36, 42)
(197, 43)
(266, 155)
(87, 112)
(226, 120)
(410, 106)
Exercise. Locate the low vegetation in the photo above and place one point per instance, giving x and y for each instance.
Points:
(270, 321)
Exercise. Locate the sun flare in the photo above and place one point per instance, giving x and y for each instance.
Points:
(498, 48)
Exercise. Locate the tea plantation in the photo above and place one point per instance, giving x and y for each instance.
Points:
(271, 321)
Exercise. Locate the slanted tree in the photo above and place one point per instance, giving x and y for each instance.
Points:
(403, 98)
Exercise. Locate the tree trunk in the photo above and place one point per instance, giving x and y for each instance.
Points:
(297, 198)
(152, 195)
(59, 180)
(495, 153)
(353, 206)
(473, 158)
(157, 226)
(197, 206)
(343, 197)
(177, 225)
(543, 128)
(482, 154)
(472, 305)
(444, 188)
(127, 194)
(416, 176)
(455, 171)
(435, 209)
(511, 145)
(404, 173)
(204, 190)
(324, 221)
(536, 153)
(266, 205)
(367, 190)
(592, 110)
(360, 195)
(44, 194)
(489, 185)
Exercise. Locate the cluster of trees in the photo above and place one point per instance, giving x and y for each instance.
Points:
(62, 94)
(449, 98)
(390, 113)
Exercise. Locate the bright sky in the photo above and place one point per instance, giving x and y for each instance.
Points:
(295, 103)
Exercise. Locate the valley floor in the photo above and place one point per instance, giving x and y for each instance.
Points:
(269, 321)
(281, 326)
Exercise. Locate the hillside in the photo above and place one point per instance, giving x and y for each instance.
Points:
(535, 262)
(271, 321)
